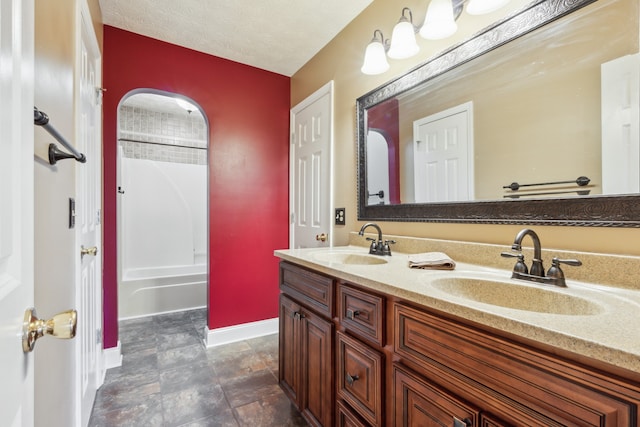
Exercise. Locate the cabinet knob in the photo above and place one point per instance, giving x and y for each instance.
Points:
(462, 423)
(297, 315)
(352, 313)
(351, 379)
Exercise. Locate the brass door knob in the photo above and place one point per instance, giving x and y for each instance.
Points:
(88, 251)
(321, 237)
(62, 325)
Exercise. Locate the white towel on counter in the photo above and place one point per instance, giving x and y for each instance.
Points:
(432, 261)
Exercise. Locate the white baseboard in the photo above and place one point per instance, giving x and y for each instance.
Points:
(112, 357)
(245, 331)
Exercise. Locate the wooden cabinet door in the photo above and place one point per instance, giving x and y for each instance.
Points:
(289, 349)
(418, 402)
(317, 369)
(346, 417)
(359, 376)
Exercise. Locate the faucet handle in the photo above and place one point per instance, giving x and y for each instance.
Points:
(386, 249)
(520, 266)
(373, 249)
(556, 272)
(574, 262)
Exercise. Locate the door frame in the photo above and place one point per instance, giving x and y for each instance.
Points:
(327, 89)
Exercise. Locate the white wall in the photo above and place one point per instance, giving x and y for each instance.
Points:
(164, 213)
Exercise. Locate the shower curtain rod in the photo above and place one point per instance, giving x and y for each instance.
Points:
(41, 119)
(159, 143)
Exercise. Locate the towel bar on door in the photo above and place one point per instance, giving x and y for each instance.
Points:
(41, 119)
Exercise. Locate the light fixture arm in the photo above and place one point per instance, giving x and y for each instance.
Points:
(404, 18)
(382, 40)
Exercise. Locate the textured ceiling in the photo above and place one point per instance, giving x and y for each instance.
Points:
(275, 35)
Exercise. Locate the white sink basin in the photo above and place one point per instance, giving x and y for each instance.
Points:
(353, 258)
(526, 297)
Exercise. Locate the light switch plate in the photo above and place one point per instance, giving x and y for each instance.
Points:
(340, 213)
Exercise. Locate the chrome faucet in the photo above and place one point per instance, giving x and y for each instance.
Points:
(555, 275)
(378, 247)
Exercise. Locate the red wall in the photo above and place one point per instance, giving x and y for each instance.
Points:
(248, 113)
(385, 118)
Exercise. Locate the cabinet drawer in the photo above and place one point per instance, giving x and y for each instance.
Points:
(361, 313)
(418, 402)
(521, 384)
(346, 417)
(309, 288)
(359, 378)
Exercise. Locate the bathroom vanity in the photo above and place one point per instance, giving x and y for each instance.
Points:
(366, 341)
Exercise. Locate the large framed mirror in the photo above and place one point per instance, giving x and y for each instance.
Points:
(533, 120)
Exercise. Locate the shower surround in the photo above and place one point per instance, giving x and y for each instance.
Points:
(163, 211)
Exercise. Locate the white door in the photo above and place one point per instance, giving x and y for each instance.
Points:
(443, 156)
(16, 209)
(310, 175)
(88, 202)
(621, 125)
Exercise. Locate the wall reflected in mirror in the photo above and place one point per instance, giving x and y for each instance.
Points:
(554, 105)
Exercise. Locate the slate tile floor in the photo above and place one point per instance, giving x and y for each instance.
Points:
(168, 378)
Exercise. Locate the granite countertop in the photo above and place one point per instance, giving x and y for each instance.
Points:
(589, 319)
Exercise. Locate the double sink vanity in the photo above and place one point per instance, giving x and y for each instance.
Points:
(366, 340)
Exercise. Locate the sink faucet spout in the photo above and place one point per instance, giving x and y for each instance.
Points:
(536, 267)
(374, 225)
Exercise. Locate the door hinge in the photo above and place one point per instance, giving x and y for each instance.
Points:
(293, 217)
(99, 92)
(98, 216)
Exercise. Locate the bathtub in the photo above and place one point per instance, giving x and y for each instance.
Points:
(149, 291)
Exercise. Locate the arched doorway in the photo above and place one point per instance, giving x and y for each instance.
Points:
(162, 204)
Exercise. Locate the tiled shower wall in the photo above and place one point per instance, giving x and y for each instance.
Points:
(166, 137)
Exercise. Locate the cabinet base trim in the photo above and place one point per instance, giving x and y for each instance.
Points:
(235, 333)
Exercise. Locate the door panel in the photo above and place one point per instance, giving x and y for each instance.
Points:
(88, 231)
(16, 208)
(443, 156)
(311, 125)
(621, 125)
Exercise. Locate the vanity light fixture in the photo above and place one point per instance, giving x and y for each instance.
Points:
(375, 57)
(440, 22)
(403, 38)
(481, 7)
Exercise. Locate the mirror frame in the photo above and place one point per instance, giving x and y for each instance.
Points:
(599, 211)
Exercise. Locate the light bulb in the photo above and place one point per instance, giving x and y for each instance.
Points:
(403, 40)
(439, 22)
(375, 58)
